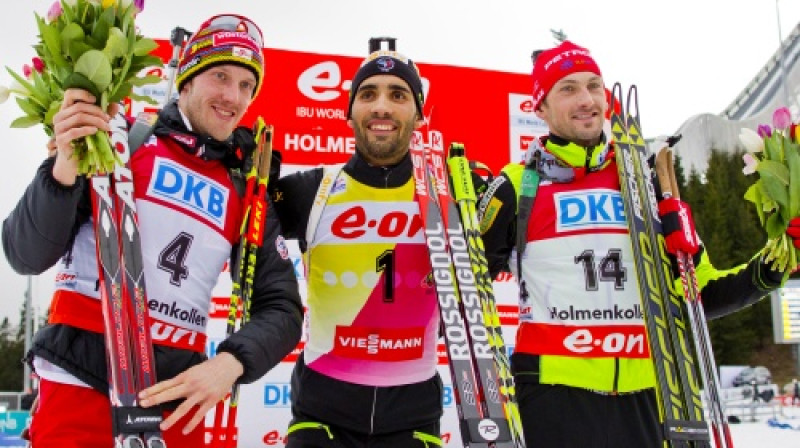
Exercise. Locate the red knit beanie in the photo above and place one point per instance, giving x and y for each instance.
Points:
(554, 64)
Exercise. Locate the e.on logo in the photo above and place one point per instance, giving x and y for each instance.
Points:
(526, 106)
(323, 82)
(583, 341)
(355, 223)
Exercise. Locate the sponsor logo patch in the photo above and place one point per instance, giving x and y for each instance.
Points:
(592, 209)
(490, 214)
(189, 190)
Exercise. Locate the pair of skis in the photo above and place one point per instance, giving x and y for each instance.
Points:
(478, 360)
(674, 339)
(243, 268)
(129, 348)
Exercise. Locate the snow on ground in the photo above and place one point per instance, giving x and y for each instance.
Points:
(759, 433)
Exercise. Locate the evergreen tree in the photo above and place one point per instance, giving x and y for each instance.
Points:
(11, 352)
(731, 234)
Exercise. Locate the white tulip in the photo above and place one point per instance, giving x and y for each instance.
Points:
(125, 3)
(751, 140)
(4, 94)
(19, 89)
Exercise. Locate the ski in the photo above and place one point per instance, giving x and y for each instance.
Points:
(677, 389)
(465, 197)
(251, 237)
(708, 368)
(481, 413)
(129, 350)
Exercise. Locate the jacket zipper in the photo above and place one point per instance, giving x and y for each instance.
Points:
(372, 414)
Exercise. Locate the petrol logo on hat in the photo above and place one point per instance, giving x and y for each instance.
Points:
(568, 64)
(385, 64)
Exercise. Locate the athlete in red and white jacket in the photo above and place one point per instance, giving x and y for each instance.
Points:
(189, 216)
(582, 366)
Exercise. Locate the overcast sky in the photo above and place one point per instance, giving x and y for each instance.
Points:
(686, 56)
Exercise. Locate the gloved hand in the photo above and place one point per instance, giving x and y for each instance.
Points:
(678, 226)
(794, 231)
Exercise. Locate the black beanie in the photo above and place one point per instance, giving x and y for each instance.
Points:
(384, 62)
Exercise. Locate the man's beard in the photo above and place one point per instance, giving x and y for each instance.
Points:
(382, 150)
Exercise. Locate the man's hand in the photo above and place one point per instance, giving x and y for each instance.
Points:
(202, 386)
(679, 232)
(77, 118)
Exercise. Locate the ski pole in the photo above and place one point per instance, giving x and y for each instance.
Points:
(254, 238)
(243, 269)
(669, 189)
(177, 37)
(234, 303)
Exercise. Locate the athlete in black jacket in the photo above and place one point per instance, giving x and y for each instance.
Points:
(367, 375)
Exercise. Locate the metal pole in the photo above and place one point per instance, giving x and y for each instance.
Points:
(781, 70)
(26, 380)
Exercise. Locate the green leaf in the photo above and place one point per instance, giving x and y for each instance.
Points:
(103, 26)
(28, 87)
(94, 65)
(773, 147)
(55, 106)
(122, 91)
(94, 43)
(774, 181)
(775, 226)
(144, 46)
(52, 42)
(140, 62)
(793, 161)
(117, 45)
(776, 170)
(67, 12)
(753, 194)
(71, 33)
(25, 122)
(77, 49)
(30, 108)
(79, 81)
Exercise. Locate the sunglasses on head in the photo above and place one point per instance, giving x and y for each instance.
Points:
(236, 23)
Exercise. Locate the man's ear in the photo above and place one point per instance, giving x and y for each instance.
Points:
(350, 123)
(538, 111)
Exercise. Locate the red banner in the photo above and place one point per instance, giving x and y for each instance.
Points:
(305, 96)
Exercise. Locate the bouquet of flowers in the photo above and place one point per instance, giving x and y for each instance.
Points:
(88, 44)
(773, 153)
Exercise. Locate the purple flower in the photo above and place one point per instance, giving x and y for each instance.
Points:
(781, 118)
(54, 12)
(139, 4)
(27, 70)
(764, 131)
